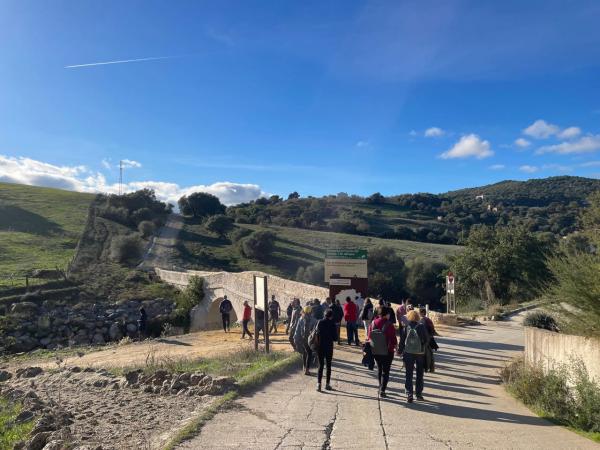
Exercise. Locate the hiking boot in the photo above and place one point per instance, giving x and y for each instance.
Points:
(382, 394)
(318, 387)
(420, 397)
(328, 387)
(409, 398)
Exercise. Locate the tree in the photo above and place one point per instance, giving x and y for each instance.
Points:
(258, 245)
(219, 224)
(311, 274)
(126, 249)
(201, 204)
(146, 228)
(376, 199)
(425, 280)
(293, 195)
(386, 274)
(504, 263)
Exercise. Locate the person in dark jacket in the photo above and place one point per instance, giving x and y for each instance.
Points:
(413, 334)
(295, 318)
(338, 315)
(384, 362)
(431, 344)
(327, 336)
(259, 322)
(288, 312)
(317, 309)
(225, 309)
(142, 323)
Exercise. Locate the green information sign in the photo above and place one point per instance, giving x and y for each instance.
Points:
(346, 254)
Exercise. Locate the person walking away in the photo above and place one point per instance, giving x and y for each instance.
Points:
(328, 303)
(296, 314)
(288, 312)
(400, 313)
(367, 314)
(259, 322)
(382, 337)
(246, 316)
(305, 325)
(142, 323)
(338, 315)
(225, 309)
(327, 336)
(412, 346)
(274, 312)
(351, 316)
(431, 344)
(317, 309)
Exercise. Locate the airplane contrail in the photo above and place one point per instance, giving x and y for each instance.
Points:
(121, 61)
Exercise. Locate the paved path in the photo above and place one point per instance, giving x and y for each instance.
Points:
(162, 248)
(465, 406)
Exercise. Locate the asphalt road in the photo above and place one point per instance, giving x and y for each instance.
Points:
(464, 407)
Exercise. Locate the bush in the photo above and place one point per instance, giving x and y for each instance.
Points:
(200, 204)
(311, 274)
(186, 300)
(146, 228)
(116, 214)
(239, 234)
(540, 319)
(219, 224)
(125, 249)
(570, 398)
(259, 245)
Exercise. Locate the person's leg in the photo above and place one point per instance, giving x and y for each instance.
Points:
(309, 357)
(379, 368)
(356, 340)
(228, 322)
(321, 356)
(223, 315)
(349, 334)
(338, 326)
(387, 365)
(409, 364)
(420, 360)
(328, 359)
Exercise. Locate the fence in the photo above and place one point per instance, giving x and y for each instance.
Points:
(550, 349)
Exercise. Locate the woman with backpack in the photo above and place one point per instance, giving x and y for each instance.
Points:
(305, 325)
(327, 335)
(413, 339)
(382, 337)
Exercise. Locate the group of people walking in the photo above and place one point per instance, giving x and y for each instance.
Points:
(313, 330)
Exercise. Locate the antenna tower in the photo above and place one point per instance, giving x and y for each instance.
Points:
(120, 177)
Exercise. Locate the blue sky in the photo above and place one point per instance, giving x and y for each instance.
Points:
(253, 97)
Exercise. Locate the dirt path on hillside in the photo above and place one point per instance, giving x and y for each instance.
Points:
(465, 406)
(161, 251)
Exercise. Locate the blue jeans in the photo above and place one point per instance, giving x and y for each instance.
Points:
(410, 360)
(352, 332)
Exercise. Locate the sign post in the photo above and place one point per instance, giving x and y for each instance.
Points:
(346, 270)
(260, 304)
(450, 298)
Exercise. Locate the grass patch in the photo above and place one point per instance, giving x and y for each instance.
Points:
(10, 433)
(564, 395)
(39, 229)
(261, 369)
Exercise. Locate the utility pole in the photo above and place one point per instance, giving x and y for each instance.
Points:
(120, 177)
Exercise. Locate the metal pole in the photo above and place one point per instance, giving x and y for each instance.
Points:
(255, 321)
(266, 297)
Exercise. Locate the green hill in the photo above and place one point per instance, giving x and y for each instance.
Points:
(294, 248)
(39, 229)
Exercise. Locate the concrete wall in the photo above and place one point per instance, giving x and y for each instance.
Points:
(549, 349)
(238, 286)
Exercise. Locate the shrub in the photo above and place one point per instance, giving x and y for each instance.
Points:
(142, 214)
(540, 319)
(186, 300)
(239, 233)
(570, 398)
(146, 228)
(311, 274)
(219, 224)
(125, 248)
(259, 245)
(116, 214)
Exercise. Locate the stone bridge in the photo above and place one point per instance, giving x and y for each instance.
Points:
(238, 287)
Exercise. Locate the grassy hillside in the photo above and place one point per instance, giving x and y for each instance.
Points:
(39, 228)
(294, 248)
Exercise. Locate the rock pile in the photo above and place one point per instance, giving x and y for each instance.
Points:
(31, 325)
(187, 383)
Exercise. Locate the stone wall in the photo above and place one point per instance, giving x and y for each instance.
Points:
(550, 349)
(238, 287)
(29, 325)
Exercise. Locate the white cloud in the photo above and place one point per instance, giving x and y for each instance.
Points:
(469, 146)
(129, 164)
(590, 164)
(540, 129)
(106, 164)
(558, 167)
(413, 133)
(497, 167)
(78, 178)
(529, 169)
(523, 143)
(434, 132)
(586, 144)
(362, 144)
(569, 133)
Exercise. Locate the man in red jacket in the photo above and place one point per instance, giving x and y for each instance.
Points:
(384, 362)
(351, 317)
(247, 315)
